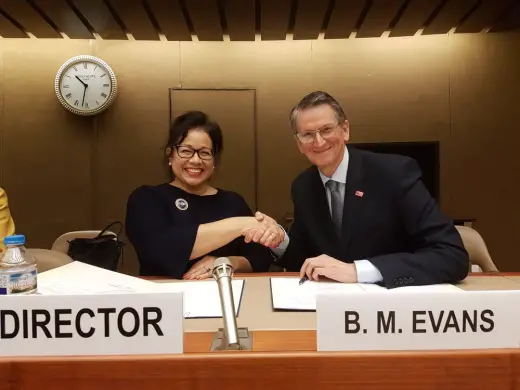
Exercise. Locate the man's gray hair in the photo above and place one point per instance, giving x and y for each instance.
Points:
(314, 99)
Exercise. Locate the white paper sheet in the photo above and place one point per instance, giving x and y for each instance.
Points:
(78, 278)
(201, 298)
(288, 294)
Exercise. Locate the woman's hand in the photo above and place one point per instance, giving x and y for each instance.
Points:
(202, 269)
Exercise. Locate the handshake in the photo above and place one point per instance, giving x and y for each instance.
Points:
(263, 230)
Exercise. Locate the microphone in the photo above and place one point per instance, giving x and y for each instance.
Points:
(223, 273)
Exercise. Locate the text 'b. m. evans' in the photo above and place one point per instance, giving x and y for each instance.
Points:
(62, 323)
(427, 321)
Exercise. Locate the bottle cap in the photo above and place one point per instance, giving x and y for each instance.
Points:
(18, 239)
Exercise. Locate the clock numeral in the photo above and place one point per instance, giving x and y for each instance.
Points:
(66, 86)
(106, 85)
(97, 102)
(103, 75)
(86, 104)
(74, 67)
(103, 94)
(68, 96)
(67, 76)
(85, 65)
(95, 68)
(76, 102)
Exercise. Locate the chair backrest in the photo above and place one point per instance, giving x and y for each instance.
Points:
(476, 248)
(48, 259)
(62, 242)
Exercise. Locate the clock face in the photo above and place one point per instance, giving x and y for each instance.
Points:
(85, 85)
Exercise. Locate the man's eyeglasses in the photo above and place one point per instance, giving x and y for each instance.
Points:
(308, 136)
(187, 152)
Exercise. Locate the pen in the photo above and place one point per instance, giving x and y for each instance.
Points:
(303, 280)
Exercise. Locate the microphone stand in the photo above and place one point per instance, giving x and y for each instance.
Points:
(230, 337)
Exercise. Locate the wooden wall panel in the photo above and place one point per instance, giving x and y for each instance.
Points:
(27, 16)
(64, 18)
(99, 17)
(309, 18)
(134, 16)
(413, 18)
(484, 164)
(9, 30)
(449, 16)
(343, 18)
(132, 133)
(240, 17)
(206, 20)
(46, 150)
(484, 16)
(170, 19)
(242, 20)
(378, 18)
(275, 19)
(408, 76)
(509, 21)
(234, 65)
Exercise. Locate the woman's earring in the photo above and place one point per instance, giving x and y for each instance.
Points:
(170, 162)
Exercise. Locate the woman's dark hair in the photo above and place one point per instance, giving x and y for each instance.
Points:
(195, 120)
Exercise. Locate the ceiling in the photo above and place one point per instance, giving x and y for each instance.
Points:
(242, 20)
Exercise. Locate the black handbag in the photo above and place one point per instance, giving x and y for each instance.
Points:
(102, 251)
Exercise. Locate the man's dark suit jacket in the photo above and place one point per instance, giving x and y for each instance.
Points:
(389, 218)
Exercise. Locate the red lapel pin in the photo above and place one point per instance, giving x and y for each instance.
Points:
(359, 193)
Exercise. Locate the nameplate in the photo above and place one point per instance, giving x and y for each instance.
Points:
(37, 325)
(411, 321)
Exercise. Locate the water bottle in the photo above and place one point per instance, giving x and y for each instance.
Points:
(18, 273)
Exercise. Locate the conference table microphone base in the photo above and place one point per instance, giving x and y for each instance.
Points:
(245, 341)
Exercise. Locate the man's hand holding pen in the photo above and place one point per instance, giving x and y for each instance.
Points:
(329, 268)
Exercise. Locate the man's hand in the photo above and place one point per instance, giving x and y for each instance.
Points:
(267, 232)
(330, 268)
(202, 269)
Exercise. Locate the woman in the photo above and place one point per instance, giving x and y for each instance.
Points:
(6, 221)
(178, 229)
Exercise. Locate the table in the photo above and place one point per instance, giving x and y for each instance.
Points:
(284, 356)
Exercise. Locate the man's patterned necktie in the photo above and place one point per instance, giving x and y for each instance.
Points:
(336, 204)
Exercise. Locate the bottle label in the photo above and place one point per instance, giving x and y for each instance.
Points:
(19, 282)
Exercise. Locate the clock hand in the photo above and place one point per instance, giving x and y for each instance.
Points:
(84, 92)
(85, 85)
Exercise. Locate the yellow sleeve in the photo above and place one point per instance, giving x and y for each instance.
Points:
(6, 221)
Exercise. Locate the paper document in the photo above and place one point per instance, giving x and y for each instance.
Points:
(78, 278)
(201, 298)
(287, 294)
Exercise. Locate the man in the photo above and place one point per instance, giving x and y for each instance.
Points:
(361, 216)
(6, 221)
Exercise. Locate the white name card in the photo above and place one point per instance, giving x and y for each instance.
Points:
(418, 321)
(37, 325)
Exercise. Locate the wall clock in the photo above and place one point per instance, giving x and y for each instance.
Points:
(85, 85)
